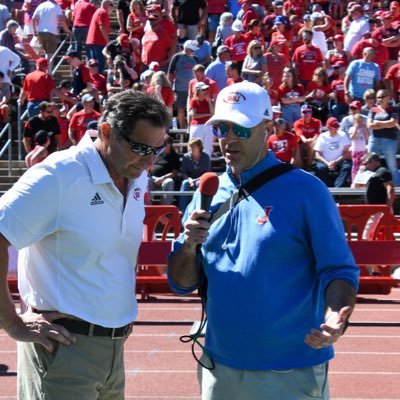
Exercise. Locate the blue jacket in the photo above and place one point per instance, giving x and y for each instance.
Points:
(268, 262)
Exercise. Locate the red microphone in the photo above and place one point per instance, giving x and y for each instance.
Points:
(208, 187)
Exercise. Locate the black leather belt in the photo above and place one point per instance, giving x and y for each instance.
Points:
(88, 329)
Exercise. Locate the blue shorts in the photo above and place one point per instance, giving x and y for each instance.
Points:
(213, 22)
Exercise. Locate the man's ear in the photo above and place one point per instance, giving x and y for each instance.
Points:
(105, 131)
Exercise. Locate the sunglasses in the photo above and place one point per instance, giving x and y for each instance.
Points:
(144, 150)
(221, 130)
(381, 97)
(257, 48)
(307, 112)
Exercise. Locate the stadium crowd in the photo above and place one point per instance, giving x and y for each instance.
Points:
(331, 69)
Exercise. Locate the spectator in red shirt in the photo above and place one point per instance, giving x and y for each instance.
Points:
(267, 84)
(248, 13)
(282, 33)
(381, 52)
(233, 71)
(296, 28)
(99, 33)
(395, 10)
(269, 20)
(136, 20)
(294, 7)
(392, 81)
(200, 76)
(307, 58)
(333, 56)
(160, 87)
(68, 99)
(254, 32)
(201, 109)
(317, 94)
(82, 14)
(97, 80)
(291, 96)
(307, 129)
(283, 143)
(80, 120)
(158, 45)
(237, 43)
(338, 106)
(391, 38)
(276, 62)
(38, 87)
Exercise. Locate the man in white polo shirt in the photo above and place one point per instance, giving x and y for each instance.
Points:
(77, 220)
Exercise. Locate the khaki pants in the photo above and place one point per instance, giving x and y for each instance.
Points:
(224, 383)
(92, 368)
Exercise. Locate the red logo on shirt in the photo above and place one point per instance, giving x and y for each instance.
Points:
(136, 193)
(265, 218)
(234, 98)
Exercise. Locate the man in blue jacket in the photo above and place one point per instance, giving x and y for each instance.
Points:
(282, 281)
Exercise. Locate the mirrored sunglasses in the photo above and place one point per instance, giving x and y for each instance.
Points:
(221, 130)
(143, 149)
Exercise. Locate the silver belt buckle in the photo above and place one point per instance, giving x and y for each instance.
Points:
(115, 335)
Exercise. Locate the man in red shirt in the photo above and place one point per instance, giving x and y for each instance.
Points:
(157, 44)
(307, 58)
(82, 15)
(200, 76)
(248, 12)
(99, 33)
(283, 143)
(97, 80)
(392, 81)
(38, 87)
(375, 41)
(80, 120)
(237, 43)
(338, 107)
(307, 129)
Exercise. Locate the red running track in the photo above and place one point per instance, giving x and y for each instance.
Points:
(160, 367)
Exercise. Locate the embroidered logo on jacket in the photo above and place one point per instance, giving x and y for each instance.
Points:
(136, 193)
(96, 200)
(265, 218)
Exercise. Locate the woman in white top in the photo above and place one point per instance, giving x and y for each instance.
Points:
(320, 25)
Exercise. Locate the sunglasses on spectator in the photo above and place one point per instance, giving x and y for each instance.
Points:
(144, 150)
(381, 97)
(319, 74)
(257, 48)
(307, 112)
(370, 98)
(221, 130)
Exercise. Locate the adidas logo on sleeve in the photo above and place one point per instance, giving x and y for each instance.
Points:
(96, 200)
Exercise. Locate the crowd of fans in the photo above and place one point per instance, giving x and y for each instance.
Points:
(331, 69)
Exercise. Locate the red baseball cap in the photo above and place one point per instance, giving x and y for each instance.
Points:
(356, 104)
(338, 38)
(42, 62)
(124, 39)
(333, 123)
(394, 4)
(339, 63)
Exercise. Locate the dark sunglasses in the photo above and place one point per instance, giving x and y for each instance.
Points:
(307, 112)
(257, 48)
(381, 97)
(144, 150)
(221, 130)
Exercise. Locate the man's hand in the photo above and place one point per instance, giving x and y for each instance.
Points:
(39, 328)
(331, 330)
(196, 228)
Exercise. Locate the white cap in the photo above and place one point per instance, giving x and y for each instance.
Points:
(201, 86)
(154, 66)
(237, 26)
(190, 44)
(244, 103)
(316, 15)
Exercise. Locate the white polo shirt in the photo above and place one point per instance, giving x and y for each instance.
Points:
(49, 14)
(78, 243)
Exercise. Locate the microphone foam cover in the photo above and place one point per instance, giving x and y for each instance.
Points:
(208, 185)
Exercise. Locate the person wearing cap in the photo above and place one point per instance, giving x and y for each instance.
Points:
(333, 56)
(283, 143)
(237, 43)
(45, 21)
(383, 120)
(80, 72)
(157, 44)
(200, 76)
(217, 69)
(99, 33)
(254, 65)
(68, 99)
(77, 220)
(381, 51)
(358, 28)
(307, 129)
(80, 120)
(247, 13)
(268, 22)
(201, 109)
(348, 121)
(40, 152)
(246, 252)
(332, 152)
(97, 80)
(180, 74)
(338, 106)
(362, 75)
(38, 86)
(45, 120)
(82, 14)
(119, 46)
(390, 37)
(307, 58)
(192, 14)
(282, 35)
